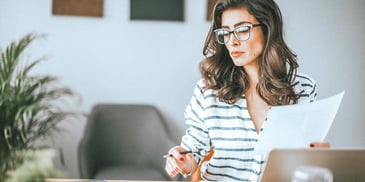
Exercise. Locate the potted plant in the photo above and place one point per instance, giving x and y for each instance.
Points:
(31, 107)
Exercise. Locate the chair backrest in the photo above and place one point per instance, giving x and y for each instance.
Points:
(117, 134)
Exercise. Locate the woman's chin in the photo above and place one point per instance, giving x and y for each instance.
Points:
(237, 62)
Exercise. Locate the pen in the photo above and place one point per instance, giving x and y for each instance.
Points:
(319, 145)
(183, 152)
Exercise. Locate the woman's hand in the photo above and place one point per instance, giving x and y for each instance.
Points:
(179, 163)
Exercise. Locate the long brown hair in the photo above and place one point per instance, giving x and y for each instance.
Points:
(277, 65)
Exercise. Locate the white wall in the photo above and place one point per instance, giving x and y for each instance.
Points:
(113, 59)
(328, 37)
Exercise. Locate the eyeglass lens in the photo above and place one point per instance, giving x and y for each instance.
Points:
(241, 33)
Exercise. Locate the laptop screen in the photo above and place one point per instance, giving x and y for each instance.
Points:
(344, 164)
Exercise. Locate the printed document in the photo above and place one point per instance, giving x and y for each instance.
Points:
(296, 126)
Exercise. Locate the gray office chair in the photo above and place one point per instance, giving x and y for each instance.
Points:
(124, 142)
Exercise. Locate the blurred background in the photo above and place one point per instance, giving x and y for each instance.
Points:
(113, 59)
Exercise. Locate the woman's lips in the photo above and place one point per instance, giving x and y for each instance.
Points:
(236, 53)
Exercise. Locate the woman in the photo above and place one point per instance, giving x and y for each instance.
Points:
(248, 68)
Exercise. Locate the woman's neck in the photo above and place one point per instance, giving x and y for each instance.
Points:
(252, 72)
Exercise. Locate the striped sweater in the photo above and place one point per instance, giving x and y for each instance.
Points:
(228, 128)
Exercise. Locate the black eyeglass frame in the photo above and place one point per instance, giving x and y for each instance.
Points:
(250, 27)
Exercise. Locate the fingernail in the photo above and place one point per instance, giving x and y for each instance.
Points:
(182, 159)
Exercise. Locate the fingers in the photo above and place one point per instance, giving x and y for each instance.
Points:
(175, 152)
(171, 167)
(174, 166)
(179, 163)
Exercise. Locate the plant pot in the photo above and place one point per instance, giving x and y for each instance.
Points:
(33, 165)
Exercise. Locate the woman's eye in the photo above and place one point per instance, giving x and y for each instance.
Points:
(242, 29)
(223, 33)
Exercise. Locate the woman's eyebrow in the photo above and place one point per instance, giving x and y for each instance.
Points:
(237, 24)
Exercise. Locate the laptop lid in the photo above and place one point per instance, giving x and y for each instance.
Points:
(345, 164)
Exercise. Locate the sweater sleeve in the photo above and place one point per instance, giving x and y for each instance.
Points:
(196, 137)
(306, 87)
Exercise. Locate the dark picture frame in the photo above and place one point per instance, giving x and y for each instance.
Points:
(165, 10)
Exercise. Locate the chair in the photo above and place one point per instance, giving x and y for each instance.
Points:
(124, 142)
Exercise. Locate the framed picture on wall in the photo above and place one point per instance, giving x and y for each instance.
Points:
(93, 8)
(169, 10)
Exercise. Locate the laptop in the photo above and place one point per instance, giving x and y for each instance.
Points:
(345, 164)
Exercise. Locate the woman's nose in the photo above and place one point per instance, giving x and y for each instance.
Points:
(233, 41)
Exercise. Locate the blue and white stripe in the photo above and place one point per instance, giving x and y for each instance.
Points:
(230, 130)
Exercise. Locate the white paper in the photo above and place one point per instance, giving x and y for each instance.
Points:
(296, 126)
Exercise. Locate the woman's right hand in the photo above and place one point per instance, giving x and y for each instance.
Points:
(179, 163)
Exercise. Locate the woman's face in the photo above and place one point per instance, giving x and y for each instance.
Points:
(243, 53)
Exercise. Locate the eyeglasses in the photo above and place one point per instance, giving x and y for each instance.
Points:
(242, 33)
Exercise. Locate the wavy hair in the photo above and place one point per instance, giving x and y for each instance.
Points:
(277, 65)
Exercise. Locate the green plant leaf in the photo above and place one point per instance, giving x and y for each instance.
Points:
(31, 106)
